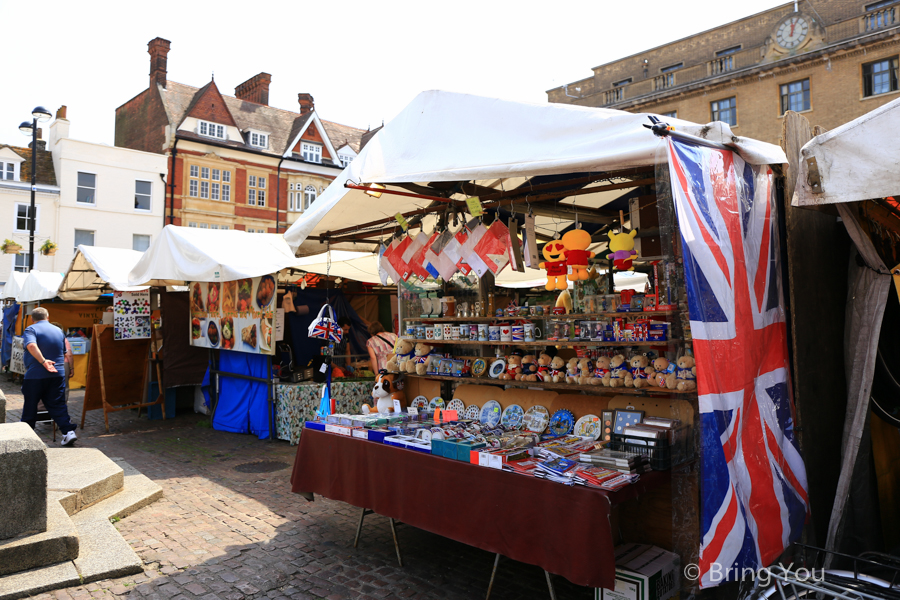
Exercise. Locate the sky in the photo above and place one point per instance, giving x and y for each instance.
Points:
(362, 61)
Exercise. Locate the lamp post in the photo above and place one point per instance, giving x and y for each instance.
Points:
(38, 114)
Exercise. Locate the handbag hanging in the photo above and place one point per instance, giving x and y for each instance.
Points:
(325, 327)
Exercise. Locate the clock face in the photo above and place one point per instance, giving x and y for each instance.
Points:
(792, 32)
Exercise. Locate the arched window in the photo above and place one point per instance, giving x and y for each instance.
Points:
(309, 196)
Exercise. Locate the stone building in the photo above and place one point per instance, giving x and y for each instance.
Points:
(833, 59)
(234, 162)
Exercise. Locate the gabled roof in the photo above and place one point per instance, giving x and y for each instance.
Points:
(282, 125)
(203, 106)
(312, 119)
(46, 174)
(367, 136)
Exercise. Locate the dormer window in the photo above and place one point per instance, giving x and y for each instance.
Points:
(212, 130)
(311, 152)
(345, 160)
(9, 171)
(259, 140)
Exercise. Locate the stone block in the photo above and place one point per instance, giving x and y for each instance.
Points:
(23, 481)
(58, 544)
(85, 472)
(104, 553)
(32, 583)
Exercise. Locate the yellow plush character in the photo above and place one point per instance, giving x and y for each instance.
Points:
(577, 255)
(621, 246)
(554, 252)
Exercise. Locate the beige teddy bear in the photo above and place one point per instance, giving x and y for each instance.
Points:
(403, 351)
(662, 368)
(558, 369)
(684, 379)
(572, 371)
(513, 366)
(601, 373)
(418, 364)
(585, 371)
(619, 375)
(641, 371)
(528, 369)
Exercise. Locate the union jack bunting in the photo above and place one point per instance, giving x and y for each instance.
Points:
(753, 481)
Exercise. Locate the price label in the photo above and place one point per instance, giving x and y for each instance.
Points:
(397, 407)
(402, 220)
(323, 368)
(412, 410)
(484, 459)
(474, 205)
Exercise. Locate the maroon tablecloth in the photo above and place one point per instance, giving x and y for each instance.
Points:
(563, 529)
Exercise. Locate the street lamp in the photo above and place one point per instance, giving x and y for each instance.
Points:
(38, 114)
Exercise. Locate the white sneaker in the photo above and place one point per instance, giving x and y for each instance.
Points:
(68, 439)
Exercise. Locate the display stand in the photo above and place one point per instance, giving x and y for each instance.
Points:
(111, 367)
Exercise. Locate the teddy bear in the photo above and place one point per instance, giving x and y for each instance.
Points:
(621, 247)
(641, 371)
(601, 372)
(558, 369)
(576, 242)
(529, 369)
(585, 371)
(513, 366)
(544, 370)
(418, 364)
(662, 368)
(684, 379)
(554, 253)
(619, 375)
(403, 351)
(572, 371)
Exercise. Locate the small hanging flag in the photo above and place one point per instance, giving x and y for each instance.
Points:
(402, 220)
(475, 208)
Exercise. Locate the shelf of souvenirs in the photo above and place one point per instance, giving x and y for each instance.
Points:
(598, 389)
(560, 343)
(574, 316)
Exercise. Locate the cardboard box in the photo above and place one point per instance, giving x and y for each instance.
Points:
(464, 449)
(644, 572)
(317, 425)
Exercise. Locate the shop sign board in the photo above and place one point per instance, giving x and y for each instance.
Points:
(234, 315)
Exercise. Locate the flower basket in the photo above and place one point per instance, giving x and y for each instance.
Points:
(48, 251)
(11, 248)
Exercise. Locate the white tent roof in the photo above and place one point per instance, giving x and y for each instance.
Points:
(856, 161)
(96, 270)
(182, 254)
(444, 136)
(14, 285)
(39, 285)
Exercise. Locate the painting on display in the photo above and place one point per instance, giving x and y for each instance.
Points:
(131, 315)
(234, 315)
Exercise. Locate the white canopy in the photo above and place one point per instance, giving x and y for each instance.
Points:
(39, 285)
(96, 270)
(444, 136)
(14, 285)
(181, 254)
(856, 161)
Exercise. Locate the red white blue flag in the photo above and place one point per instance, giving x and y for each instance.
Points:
(753, 481)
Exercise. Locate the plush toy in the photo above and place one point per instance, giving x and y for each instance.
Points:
(513, 365)
(619, 375)
(529, 369)
(601, 372)
(685, 377)
(577, 255)
(418, 364)
(388, 387)
(564, 300)
(554, 253)
(662, 369)
(641, 371)
(621, 246)
(572, 371)
(585, 371)
(544, 370)
(558, 369)
(403, 351)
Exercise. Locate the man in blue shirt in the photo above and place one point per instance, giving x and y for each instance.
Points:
(44, 374)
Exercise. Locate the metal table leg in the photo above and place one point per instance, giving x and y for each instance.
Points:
(362, 515)
(493, 573)
(550, 585)
(396, 542)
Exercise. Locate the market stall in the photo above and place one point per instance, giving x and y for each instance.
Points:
(705, 343)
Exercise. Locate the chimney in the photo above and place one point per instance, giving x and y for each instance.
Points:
(255, 89)
(307, 104)
(61, 112)
(59, 129)
(158, 49)
(41, 144)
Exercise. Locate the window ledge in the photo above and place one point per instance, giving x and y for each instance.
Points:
(882, 95)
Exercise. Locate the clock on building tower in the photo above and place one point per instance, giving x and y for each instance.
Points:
(792, 32)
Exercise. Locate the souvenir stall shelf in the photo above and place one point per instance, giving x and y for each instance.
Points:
(296, 403)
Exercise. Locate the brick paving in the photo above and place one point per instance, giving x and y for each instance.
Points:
(220, 534)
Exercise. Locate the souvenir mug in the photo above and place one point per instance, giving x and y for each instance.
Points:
(506, 333)
(495, 333)
(483, 333)
(438, 332)
(532, 332)
(518, 333)
(429, 333)
(448, 332)
(410, 331)
(473, 332)
(454, 332)
(420, 332)
(463, 332)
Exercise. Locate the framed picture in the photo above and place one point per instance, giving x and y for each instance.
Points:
(625, 418)
(606, 417)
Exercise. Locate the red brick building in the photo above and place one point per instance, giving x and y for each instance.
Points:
(235, 162)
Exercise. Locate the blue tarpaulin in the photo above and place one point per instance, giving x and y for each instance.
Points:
(10, 315)
(243, 406)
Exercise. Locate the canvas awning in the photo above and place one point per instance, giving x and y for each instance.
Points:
(13, 285)
(39, 285)
(449, 137)
(96, 270)
(856, 161)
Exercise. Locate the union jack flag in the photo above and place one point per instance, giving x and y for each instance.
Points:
(753, 481)
(326, 329)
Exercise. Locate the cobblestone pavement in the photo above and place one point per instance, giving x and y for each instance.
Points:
(219, 533)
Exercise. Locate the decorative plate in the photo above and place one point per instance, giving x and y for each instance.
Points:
(589, 426)
(458, 405)
(436, 402)
(562, 422)
(472, 411)
(512, 416)
(420, 402)
(490, 413)
(479, 367)
(497, 368)
(536, 419)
